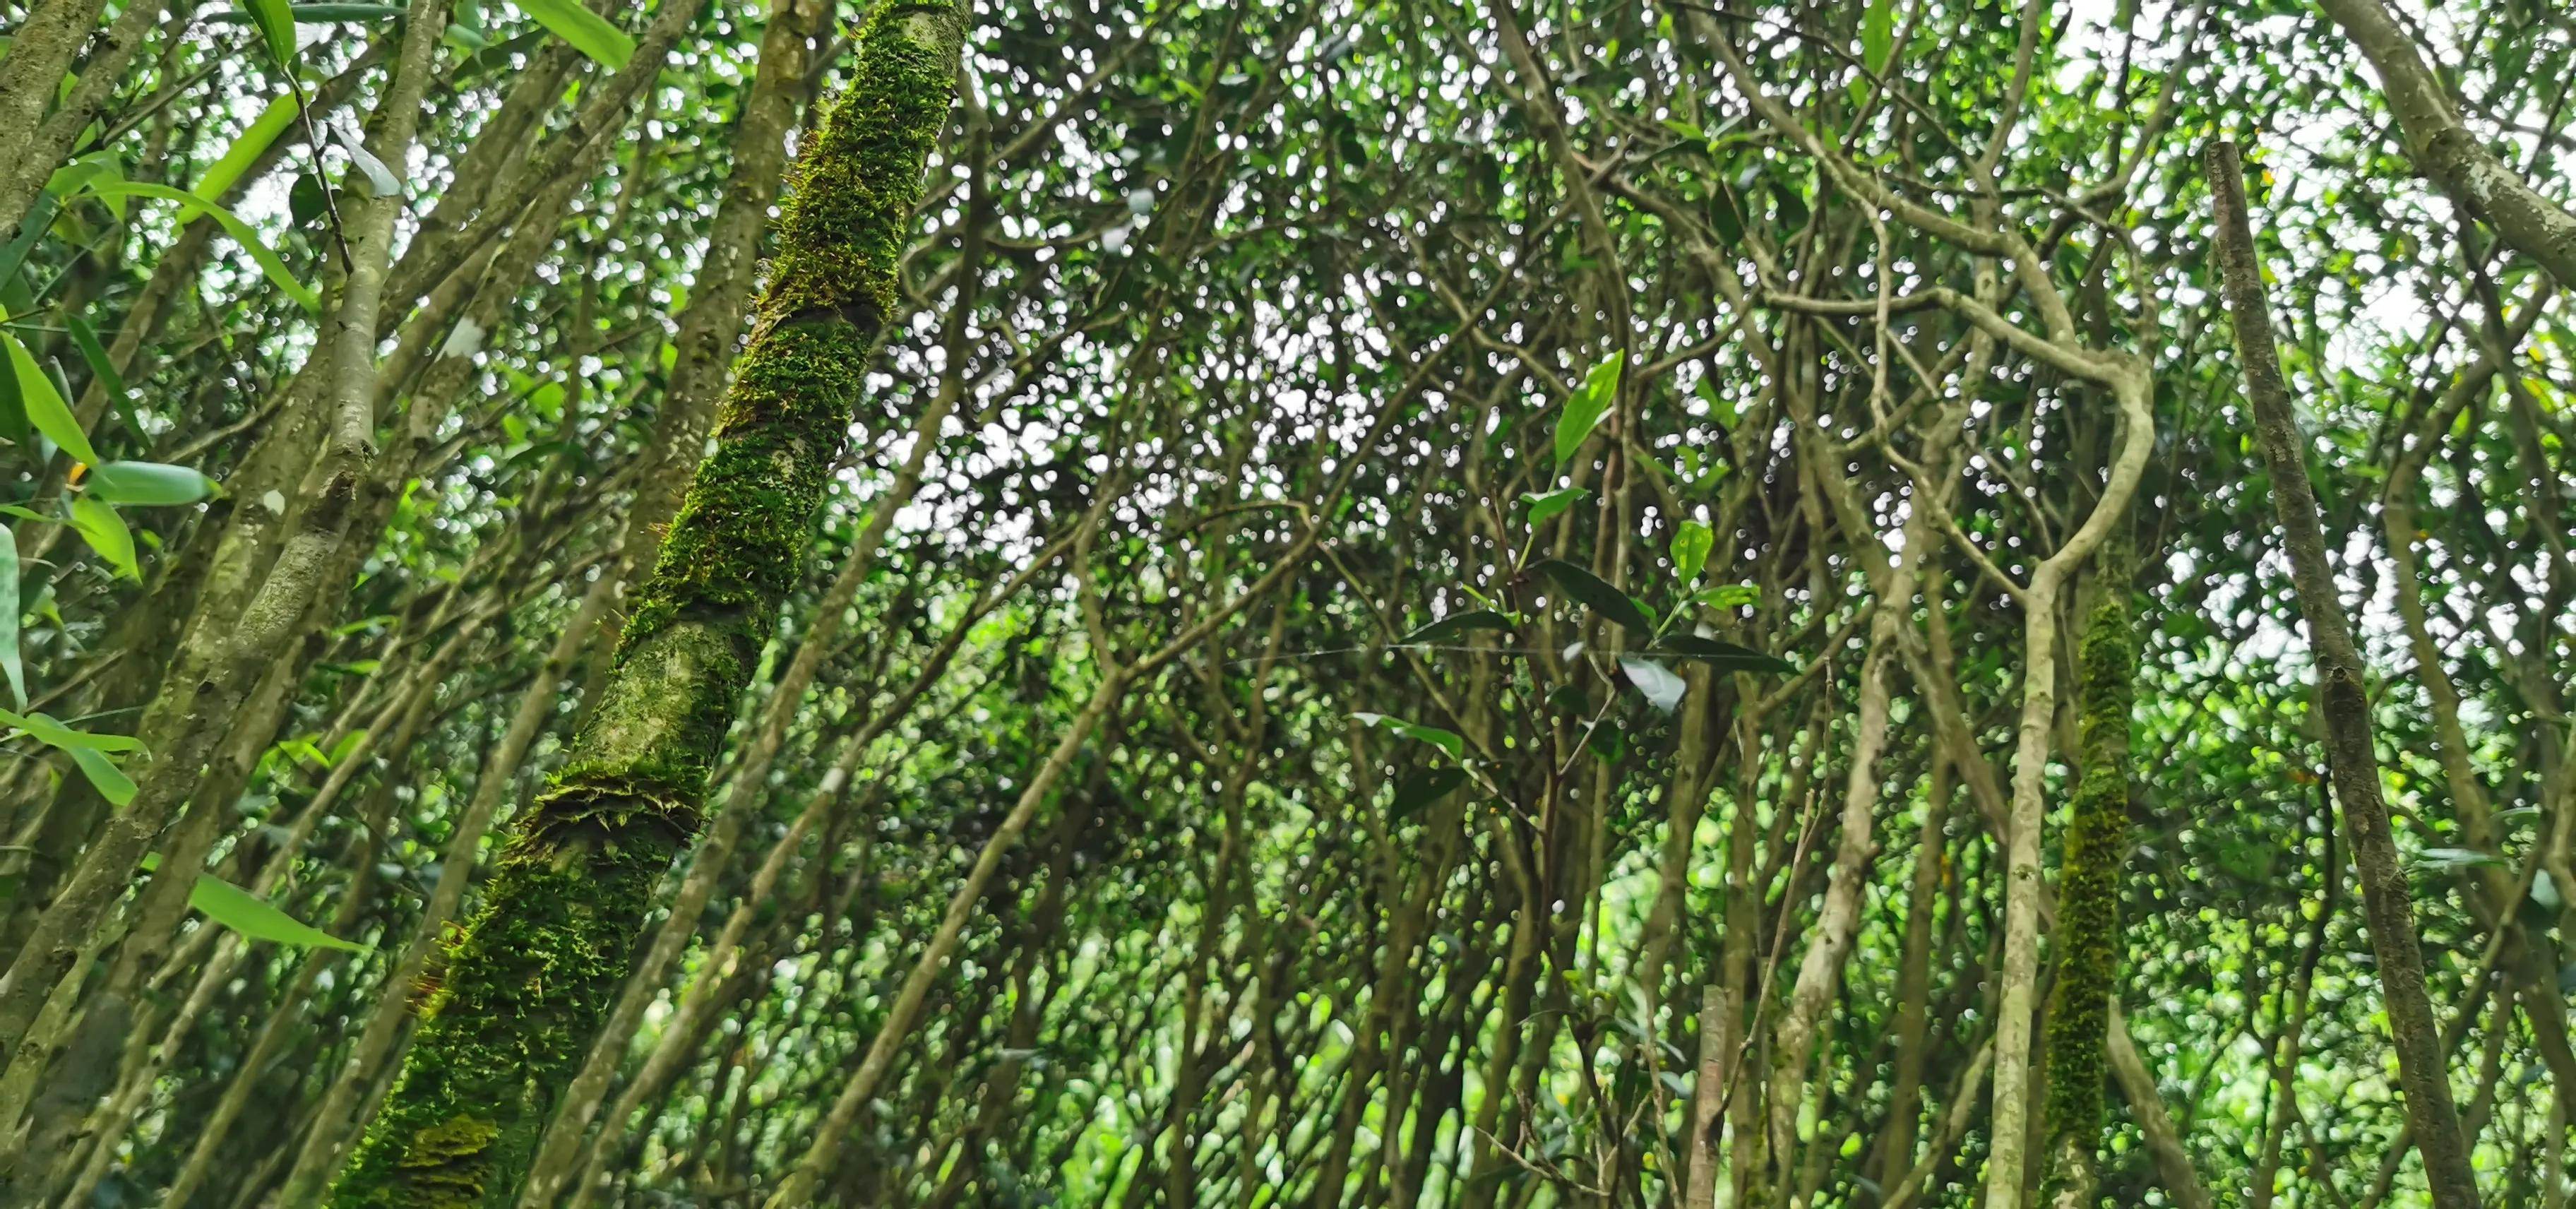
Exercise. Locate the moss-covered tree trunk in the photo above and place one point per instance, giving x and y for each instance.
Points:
(528, 983)
(2088, 898)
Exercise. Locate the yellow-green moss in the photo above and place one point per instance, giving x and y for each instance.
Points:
(2088, 939)
(537, 971)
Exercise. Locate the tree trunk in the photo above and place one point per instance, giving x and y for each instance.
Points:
(2343, 705)
(2088, 900)
(531, 979)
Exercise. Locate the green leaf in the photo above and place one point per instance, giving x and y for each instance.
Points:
(588, 32)
(1446, 740)
(50, 731)
(276, 24)
(320, 14)
(252, 143)
(44, 404)
(1690, 551)
(2448, 859)
(1661, 688)
(148, 484)
(271, 265)
(1585, 408)
(325, 14)
(104, 776)
(106, 533)
(246, 913)
(308, 202)
(1878, 35)
(1594, 593)
(1545, 505)
(377, 179)
(10, 662)
(72, 177)
(85, 338)
(1456, 626)
(1728, 596)
(39, 219)
(1424, 786)
(1724, 656)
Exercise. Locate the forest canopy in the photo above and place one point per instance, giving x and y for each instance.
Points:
(1480, 604)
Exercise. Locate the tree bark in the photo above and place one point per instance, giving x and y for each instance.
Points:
(531, 979)
(2446, 151)
(2343, 705)
(2088, 900)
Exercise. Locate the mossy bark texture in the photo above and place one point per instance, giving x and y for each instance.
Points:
(2088, 900)
(528, 983)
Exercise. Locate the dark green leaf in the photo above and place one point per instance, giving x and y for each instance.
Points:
(1424, 786)
(1455, 626)
(307, 202)
(85, 338)
(1724, 656)
(1593, 593)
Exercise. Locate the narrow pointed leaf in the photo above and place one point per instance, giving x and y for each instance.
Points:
(10, 662)
(246, 913)
(271, 265)
(275, 20)
(85, 338)
(43, 403)
(584, 30)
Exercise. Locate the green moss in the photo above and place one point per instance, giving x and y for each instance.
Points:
(855, 184)
(524, 991)
(537, 971)
(2088, 939)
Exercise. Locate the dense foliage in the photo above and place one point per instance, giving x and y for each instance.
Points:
(1461, 603)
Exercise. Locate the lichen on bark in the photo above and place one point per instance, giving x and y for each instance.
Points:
(530, 979)
(2088, 936)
